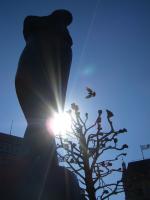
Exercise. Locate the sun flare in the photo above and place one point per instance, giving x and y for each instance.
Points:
(60, 123)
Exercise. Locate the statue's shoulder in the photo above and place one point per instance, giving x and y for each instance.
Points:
(56, 22)
(31, 23)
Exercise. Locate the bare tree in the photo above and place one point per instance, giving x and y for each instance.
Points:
(88, 150)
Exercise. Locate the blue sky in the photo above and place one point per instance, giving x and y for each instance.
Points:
(111, 54)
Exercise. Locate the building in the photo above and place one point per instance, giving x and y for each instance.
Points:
(136, 179)
(11, 164)
(10, 146)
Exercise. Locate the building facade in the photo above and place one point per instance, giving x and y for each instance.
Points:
(10, 146)
(10, 164)
(136, 179)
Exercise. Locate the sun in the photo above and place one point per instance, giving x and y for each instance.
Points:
(59, 124)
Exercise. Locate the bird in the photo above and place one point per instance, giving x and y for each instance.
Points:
(91, 93)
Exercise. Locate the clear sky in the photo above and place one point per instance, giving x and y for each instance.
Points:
(111, 54)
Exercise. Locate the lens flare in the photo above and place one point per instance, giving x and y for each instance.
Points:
(60, 123)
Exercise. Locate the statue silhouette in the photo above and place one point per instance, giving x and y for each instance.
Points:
(43, 71)
(41, 83)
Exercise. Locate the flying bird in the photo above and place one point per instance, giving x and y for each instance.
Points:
(91, 93)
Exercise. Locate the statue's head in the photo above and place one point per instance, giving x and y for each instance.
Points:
(62, 15)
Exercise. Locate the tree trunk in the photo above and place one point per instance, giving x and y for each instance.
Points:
(91, 190)
(88, 174)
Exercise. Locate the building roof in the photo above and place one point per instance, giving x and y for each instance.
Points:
(10, 138)
(139, 166)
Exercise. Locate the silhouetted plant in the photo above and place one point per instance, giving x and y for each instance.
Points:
(83, 150)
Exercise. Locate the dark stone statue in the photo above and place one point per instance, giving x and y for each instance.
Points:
(43, 72)
(44, 65)
(41, 83)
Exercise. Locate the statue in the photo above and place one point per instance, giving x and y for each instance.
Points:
(41, 83)
(43, 72)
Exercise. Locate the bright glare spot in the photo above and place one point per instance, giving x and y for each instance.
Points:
(59, 124)
(88, 70)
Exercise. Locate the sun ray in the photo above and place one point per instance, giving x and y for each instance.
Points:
(59, 124)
